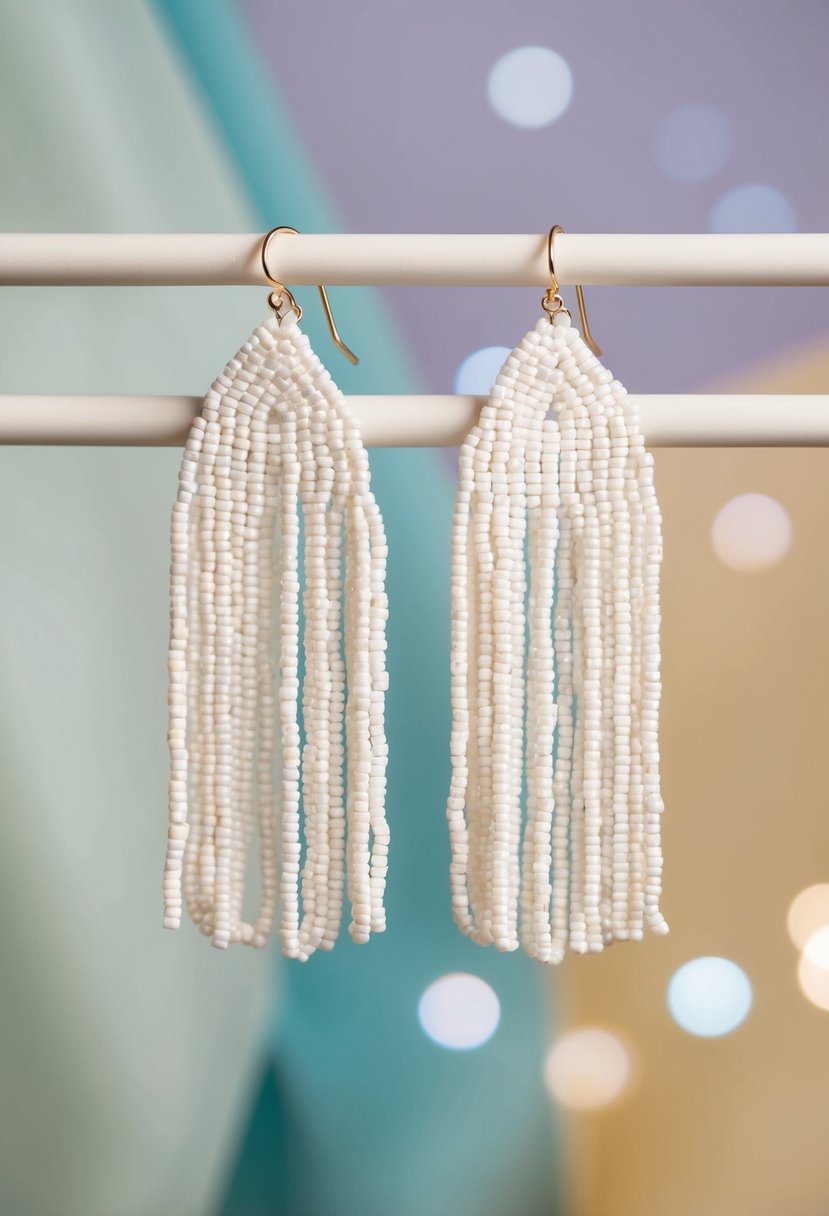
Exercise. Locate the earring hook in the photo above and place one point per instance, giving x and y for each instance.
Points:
(552, 302)
(277, 298)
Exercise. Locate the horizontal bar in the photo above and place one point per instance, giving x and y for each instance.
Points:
(714, 420)
(466, 260)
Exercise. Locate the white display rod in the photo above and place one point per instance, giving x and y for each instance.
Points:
(705, 420)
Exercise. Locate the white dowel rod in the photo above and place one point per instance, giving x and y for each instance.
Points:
(136, 259)
(438, 421)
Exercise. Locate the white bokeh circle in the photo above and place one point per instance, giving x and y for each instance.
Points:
(751, 532)
(816, 948)
(693, 143)
(753, 207)
(459, 1011)
(808, 912)
(709, 996)
(814, 982)
(530, 86)
(587, 1068)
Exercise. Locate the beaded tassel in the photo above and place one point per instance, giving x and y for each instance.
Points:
(556, 551)
(275, 442)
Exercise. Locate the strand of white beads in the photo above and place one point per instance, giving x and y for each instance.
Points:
(288, 472)
(516, 624)
(336, 709)
(622, 848)
(462, 788)
(482, 824)
(275, 440)
(185, 583)
(563, 634)
(357, 736)
(501, 743)
(265, 456)
(336, 673)
(204, 671)
(528, 928)
(314, 710)
(379, 682)
(246, 490)
(587, 652)
(636, 794)
(241, 693)
(604, 504)
(599, 652)
(569, 784)
(223, 648)
(651, 691)
(468, 760)
(182, 692)
(508, 526)
(541, 469)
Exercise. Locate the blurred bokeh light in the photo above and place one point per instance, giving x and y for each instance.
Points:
(530, 86)
(478, 372)
(751, 532)
(693, 143)
(709, 996)
(459, 1011)
(587, 1069)
(753, 207)
(814, 982)
(808, 912)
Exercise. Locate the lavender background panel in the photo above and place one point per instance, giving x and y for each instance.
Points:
(391, 101)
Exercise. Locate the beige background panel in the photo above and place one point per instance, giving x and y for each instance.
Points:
(737, 1125)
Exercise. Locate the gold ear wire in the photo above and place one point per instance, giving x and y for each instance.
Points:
(279, 295)
(552, 302)
(332, 325)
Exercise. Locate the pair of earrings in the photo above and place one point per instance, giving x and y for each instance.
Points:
(555, 655)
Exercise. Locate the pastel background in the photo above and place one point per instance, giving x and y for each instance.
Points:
(141, 1073)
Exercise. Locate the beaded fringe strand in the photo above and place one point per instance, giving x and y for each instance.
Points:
(275, 440)
(555, 678)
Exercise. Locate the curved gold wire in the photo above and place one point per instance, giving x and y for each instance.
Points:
(552, 302)
(278, 296)
(281, 293)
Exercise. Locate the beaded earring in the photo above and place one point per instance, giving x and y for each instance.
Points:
(275, 441)
(555, 658)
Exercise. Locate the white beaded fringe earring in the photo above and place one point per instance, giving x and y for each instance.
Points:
(556, 549)
(275, 440)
